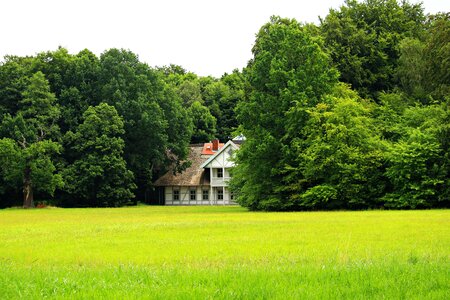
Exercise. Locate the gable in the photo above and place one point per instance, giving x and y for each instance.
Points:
(222, 159)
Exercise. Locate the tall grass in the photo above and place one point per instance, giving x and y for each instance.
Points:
(223, 252)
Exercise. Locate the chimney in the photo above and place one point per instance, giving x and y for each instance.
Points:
(215, 145)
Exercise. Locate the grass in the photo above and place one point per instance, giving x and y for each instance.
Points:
(223, 253)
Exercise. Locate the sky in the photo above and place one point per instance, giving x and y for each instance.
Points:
(207, 37)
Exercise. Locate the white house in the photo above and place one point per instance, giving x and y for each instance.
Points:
(205, 182)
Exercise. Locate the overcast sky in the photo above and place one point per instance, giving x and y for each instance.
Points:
(207, 37)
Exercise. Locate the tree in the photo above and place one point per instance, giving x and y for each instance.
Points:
(228, 122)
(411, 68)
(14, 78)
(436, 54)
(189, 91)
(363, 37)
(135, 91)
(10, 174)
(423, 64)
(418, 163)
(339, 163)
(98, 176)
(221, 97)
(204, 123)
(80, 89)
(32, 130)
(179, 131)
(288, 74)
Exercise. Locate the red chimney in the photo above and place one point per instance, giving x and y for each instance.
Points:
(215, 145)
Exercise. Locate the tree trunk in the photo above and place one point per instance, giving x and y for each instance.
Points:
(28, 200)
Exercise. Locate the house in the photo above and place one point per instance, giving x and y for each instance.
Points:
(205, 182)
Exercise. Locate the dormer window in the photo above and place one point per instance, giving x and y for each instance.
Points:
(220, 173)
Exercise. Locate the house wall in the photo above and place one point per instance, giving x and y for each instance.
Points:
(222, 160)
(184, 196)
(226, 196)
(226, 172)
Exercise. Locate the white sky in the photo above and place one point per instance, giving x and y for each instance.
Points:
(207, 37)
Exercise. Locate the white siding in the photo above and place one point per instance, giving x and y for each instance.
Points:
(226, 196)
(184, 196)
(223, 159)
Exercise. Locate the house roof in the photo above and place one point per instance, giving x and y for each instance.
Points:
(208, 148)
(192, 176)
(212, 157)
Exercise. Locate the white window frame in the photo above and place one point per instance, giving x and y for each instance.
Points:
(220, 195)
(192, 194)
(176, 195)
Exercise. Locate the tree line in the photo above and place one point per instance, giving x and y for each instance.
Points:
(352, 113)
(82, 130)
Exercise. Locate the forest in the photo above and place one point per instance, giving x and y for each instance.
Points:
(351, 113)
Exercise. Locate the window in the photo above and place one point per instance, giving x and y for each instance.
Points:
(193, 194)
(220, 173)
(205, 195)
(219, 194)
(176, 195)
(231, 196)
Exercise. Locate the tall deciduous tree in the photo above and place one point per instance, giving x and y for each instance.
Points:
(32, 130)
(141, 98)
(339, 164)
(99, 175)
(288, 73)
(418, 164)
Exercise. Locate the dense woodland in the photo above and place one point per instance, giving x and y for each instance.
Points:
(353, 113)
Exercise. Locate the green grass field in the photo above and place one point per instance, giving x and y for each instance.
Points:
(223, 253)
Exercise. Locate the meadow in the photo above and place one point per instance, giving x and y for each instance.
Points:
(223, 253)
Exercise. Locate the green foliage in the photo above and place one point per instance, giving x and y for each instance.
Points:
(319, 197)
(98, 176)
(363, 40)
(423, 65)
(39, 107)
(288, 74)
(40, 158)
(179, 131)
(418, 164)
(436, 56)
(31, 129)
(189, 92)
(204, 123)
(223, 97)
(340, 158)
(219, 96)
(10, 158)
(411, 68)
(154, 122)
(14, 78)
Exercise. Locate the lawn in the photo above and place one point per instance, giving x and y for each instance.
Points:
(223, 253)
